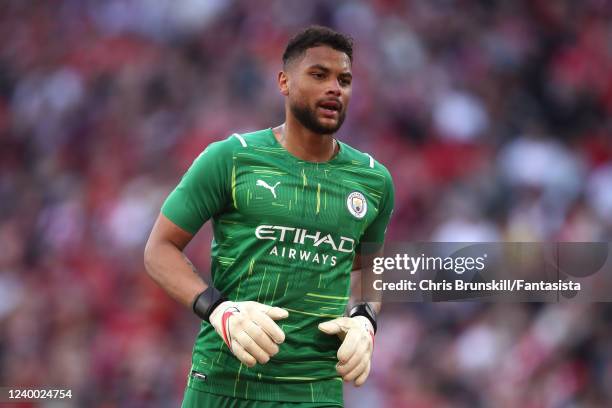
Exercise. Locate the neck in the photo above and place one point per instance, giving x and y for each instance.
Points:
(305, 144)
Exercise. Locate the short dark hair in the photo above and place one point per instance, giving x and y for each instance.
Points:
(314, 36)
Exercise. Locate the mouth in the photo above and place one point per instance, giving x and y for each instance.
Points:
(330, 108)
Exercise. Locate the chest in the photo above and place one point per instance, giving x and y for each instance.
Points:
(301, 200)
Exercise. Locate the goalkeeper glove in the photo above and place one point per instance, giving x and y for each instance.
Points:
(248, 329)
(355, 353)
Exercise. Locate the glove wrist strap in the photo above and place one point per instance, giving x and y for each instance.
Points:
(204, 304)
(365, 310)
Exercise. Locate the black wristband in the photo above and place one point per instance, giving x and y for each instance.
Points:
(365, 310)
(206, 302)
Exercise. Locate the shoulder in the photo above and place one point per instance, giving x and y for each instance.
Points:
(234, 143)
(258, 138)
(366, 162)
(225, 146)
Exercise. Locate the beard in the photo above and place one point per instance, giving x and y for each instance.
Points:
(308, 118)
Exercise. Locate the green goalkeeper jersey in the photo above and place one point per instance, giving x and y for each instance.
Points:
(285, 234)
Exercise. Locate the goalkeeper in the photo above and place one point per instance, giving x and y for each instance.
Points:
(291, 207)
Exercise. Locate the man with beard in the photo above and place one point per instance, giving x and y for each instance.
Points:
(291, 206)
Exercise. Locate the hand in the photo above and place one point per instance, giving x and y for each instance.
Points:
(355, 353)
(248, 329)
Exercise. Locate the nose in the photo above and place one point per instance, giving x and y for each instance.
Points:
(333, 87)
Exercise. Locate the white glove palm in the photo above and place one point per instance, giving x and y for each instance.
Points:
(249, 330)
(355, 353)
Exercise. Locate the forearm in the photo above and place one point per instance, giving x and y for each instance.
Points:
(172, 270)
(357, 295)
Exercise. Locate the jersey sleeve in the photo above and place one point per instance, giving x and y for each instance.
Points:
(204, 189)
(375, 232)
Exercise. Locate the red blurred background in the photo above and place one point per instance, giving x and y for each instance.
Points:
(494, 117)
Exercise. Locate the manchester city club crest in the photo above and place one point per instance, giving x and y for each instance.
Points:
(357, 204)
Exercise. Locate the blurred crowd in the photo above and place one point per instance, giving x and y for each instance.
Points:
(494, 118)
